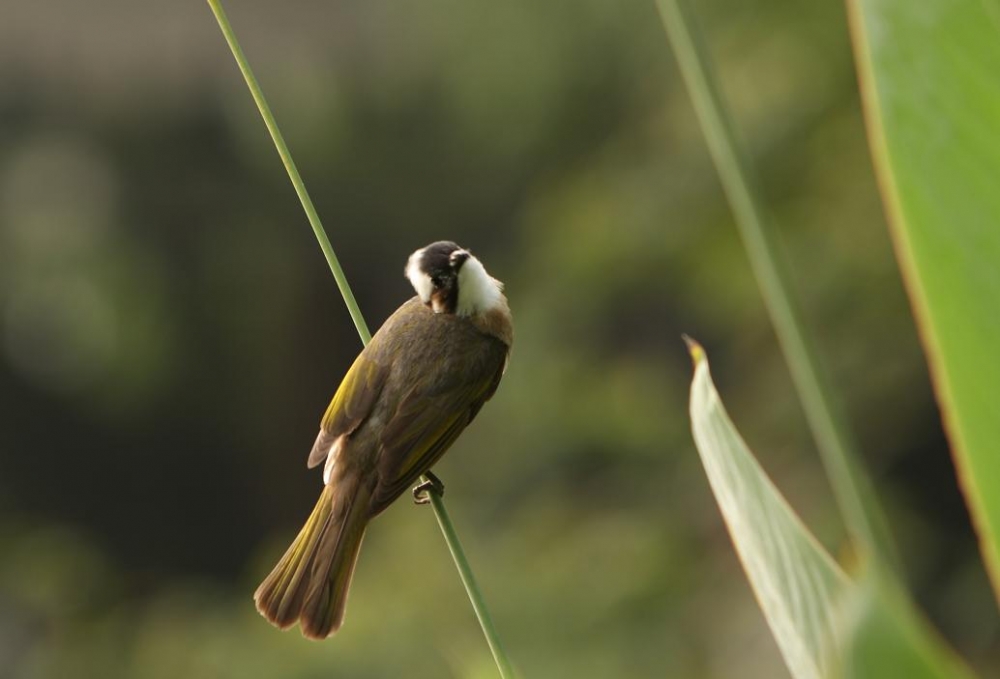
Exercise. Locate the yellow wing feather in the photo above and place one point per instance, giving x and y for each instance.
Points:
(353, 402)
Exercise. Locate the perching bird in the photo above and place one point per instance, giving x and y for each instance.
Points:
(410, 393)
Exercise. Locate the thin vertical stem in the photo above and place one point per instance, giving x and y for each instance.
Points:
(851, 486)
(444, 520)
(469, 580)
(293, 172)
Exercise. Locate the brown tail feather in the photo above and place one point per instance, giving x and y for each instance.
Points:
(311, 582)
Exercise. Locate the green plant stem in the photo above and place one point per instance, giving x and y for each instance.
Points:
(444, 520)
(293, 173)
(475, 596)
(851, 486)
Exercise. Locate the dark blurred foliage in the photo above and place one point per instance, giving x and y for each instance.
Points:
(171, 334)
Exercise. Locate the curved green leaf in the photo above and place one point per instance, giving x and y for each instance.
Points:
(824, 623)
(929, 75)
(800, 588)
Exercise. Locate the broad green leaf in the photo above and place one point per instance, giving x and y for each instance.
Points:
(824, 623)
(930, 76)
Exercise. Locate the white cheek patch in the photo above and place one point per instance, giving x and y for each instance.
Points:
(420, 281)
(478, 292)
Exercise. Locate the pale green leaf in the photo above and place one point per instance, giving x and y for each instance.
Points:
(824, 623)
(801, 590)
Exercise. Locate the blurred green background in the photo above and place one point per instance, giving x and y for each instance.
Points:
(170, 334)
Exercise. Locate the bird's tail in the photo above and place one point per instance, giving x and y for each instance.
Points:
(310, 583)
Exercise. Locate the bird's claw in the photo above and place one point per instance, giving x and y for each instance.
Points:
(422, 491)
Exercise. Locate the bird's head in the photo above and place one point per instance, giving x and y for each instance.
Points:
(450, 280)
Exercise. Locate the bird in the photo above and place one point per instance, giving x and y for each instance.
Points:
(414, 388)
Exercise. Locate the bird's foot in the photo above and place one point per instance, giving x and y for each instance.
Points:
(422, 491)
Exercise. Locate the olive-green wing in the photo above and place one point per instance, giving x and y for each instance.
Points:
(423, 428)
(352, 403)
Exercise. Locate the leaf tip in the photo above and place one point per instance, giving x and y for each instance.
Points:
(695, 349)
